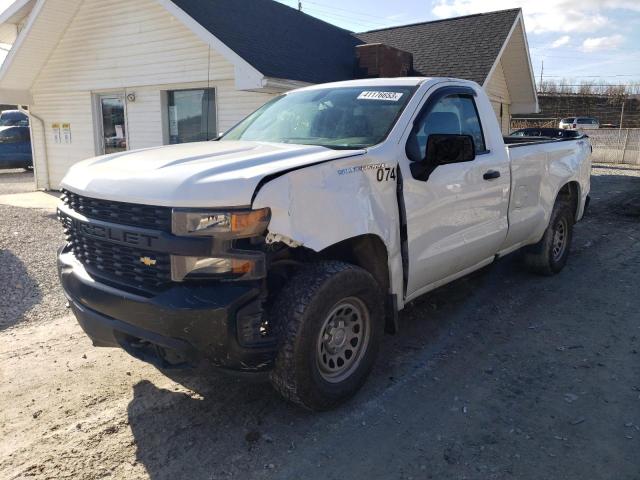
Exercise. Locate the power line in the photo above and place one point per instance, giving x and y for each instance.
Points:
(575, 58)
(348, 11)
(341, 18)
(576, 51)
(594, 76)
(359, 19)
(345, 16)
(596, 85)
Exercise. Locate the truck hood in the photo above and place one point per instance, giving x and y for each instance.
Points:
(203, 174)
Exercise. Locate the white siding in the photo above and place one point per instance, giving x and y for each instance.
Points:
(118, 44)
(53, 16)
(234, 105)
(144, 118)
(129, 47)
(498, 93)
(74, 108)
(506, 119)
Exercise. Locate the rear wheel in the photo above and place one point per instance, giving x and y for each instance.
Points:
(550, 254)
(331, 321)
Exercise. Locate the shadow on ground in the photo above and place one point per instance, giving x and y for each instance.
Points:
(20, 292)
(230, 416)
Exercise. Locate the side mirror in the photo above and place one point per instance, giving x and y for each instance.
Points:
(443, 149)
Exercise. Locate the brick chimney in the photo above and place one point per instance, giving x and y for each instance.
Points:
(380, 60)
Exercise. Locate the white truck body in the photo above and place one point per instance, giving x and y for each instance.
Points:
(288, 252)
(456, 222)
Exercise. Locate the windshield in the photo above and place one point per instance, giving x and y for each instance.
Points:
(339, 118)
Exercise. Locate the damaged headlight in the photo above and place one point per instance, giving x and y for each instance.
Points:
(238, 265)
(223, 227)
(238, 224)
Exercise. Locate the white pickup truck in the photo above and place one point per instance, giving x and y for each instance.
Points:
(290, 243)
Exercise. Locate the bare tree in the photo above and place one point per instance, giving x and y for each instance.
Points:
(588, 87)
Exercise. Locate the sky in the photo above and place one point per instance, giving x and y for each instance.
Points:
(578, 40)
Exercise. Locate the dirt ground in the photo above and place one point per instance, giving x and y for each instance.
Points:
(501, 375)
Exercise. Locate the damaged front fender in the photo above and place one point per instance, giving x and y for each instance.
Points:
(324, 204)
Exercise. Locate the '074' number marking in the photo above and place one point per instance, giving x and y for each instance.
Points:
(385, 174)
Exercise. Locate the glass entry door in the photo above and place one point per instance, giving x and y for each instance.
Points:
(113, 123)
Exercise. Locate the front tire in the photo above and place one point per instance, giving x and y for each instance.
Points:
(330, 319)
(550, 254)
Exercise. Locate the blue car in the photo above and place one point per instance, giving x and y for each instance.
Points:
(15, 148)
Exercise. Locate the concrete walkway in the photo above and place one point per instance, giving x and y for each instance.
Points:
(41, 200)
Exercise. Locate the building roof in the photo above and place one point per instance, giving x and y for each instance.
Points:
(463, 47)
(273, 46)
(277, 40)
(282, 42)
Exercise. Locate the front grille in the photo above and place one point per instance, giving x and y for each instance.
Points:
(133, 214)
(121, 265)
(114, 263)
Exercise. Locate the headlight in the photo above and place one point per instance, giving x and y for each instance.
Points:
(230, 224)
(238, 265)
(223, 227)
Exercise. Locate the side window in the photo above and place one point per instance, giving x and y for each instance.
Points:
(453, 114)
(192, 115)
(10, 135)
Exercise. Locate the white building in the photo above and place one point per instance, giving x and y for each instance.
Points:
(100, 76)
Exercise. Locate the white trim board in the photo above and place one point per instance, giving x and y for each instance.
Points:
(14, 8)
(8, 61)
(518, 20)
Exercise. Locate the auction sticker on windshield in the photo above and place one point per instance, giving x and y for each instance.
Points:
(385, 96)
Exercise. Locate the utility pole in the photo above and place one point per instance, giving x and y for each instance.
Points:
(621, 114)
(541, 72)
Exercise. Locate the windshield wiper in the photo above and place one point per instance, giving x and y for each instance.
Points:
(344, 147)
(312, 141)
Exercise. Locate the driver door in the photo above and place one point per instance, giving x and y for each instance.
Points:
(457, 217)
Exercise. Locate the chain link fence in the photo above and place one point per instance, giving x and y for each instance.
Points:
(616, 145)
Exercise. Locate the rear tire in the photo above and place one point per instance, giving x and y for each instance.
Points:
(550, 254)
(330, 319)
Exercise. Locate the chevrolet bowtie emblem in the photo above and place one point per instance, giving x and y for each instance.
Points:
(148, 261)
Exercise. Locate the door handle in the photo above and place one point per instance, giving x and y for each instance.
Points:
(491, 175)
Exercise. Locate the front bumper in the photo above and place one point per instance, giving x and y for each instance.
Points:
(179, 327)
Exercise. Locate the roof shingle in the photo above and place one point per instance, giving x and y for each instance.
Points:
(463, 47)
(277, 40)
(282, 42)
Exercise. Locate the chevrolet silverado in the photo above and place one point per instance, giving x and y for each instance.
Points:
(290, 243)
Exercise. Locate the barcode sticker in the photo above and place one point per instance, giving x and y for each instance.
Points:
(385, 96)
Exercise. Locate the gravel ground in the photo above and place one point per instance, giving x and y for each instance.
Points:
(500, 375)
(29, 239)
